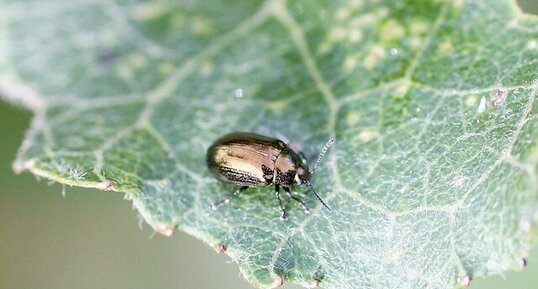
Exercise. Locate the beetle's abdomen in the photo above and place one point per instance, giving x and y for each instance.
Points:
(243, 159)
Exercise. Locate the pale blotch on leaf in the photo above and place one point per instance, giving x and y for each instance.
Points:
(350, 63)
(367, 135)
(324, 47)
(206, 68)
(201, 26)
(446, 47)
(137, 60)
(124, 72)
(166, 68)
(395, 255)
(353, 118)
(418, 27)
(526, 224)
(458, 3)
(416, 42)
(391, 30)
(355, 36)
(375, 55)
(277, 105)
(356, 4)
(363, 20)
(337, 34)
(531, 45)
(149, 11)
(343, 13)
(471, 100)
(402, 89)
(382, 12)
(108, 37)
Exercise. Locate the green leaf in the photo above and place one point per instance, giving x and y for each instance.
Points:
(432, 103)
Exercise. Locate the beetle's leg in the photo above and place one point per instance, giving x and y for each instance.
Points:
(284, 215)
(307, 209)
(224, 201)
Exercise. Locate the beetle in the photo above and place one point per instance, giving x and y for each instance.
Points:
(251, 160)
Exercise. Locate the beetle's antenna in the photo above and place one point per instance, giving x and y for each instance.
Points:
(319, 198)
(323, 151)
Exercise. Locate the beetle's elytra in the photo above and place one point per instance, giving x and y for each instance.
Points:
(251, 160)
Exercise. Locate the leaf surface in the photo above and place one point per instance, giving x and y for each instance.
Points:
(432, 104)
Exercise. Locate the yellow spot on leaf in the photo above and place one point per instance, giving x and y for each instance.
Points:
(109, 37)
(137, 60)
(277, 105)
(382, 13)
(206, 68)
(337, 34)
(415, 42)
(325, 47)
(343, 13)
(356, 4)
(201, 26)
(446, 47)
(350, 63)
(394, 255)
(364, 20)
(374, 56)
(402, 89)
(353, 118)
(391, 30)
(166, 68)
(419, 27)
(149, 11)
(125, 72)
(458, 3)
(471, 100)
(355, 35)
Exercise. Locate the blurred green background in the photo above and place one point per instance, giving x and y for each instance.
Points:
(91, 239)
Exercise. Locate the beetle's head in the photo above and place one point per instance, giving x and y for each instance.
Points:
(302, 175)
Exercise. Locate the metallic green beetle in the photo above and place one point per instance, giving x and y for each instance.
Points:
(252, 160)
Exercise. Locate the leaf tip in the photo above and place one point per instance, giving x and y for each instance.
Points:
(22, 165)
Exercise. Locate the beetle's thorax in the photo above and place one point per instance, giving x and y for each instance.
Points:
(285, 168)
